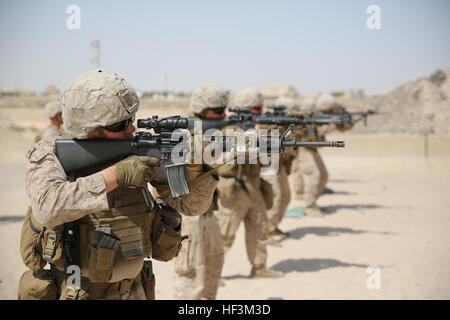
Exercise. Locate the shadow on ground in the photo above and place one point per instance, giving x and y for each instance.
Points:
(11, 218)
(303, 265)
(359, 207)
(236, 277)
(345, 193)
(312, 265)
(327, 231)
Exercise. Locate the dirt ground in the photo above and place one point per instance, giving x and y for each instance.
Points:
(392, 213)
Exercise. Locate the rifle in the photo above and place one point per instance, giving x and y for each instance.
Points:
(347, 118)
(280, 117)
(242, 118)
(340, 116)
(76, 154)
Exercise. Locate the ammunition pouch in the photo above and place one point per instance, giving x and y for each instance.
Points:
(148, 280)
(102, 252)
(92, 290)
(31, 243)
(166, 235)
(37, 286)
(39, 245)
(267, 193)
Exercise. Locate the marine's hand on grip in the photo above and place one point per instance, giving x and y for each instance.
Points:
(133, 171)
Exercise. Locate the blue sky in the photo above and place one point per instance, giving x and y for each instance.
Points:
(315, 46)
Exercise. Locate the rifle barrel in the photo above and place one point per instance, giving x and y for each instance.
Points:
(317, 144)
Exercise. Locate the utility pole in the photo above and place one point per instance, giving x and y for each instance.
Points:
(95, 60)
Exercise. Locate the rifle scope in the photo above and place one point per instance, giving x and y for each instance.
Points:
(170, 123)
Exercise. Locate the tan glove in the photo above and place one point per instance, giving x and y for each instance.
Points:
(133, 171)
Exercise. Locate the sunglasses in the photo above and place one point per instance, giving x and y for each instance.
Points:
(218, 110)
(256, 109)
(119, 126)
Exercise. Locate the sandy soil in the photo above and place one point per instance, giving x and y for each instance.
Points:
(389, 212)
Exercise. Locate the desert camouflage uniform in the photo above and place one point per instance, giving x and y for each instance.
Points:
(280, 185)
(240, 199)
(56, 201)
(51, 109)
(296, 178)
(311, 169)
(50, 131)
(314, 174)
(282, 196)
(199, 264)
(308, 169)
(101, 98)
(280, 181)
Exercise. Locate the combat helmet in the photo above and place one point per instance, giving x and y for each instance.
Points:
(249, 97)
(291, 106)
(325, 101)
(207, 95)
(97, 98)
(308, 103)
(52, 108)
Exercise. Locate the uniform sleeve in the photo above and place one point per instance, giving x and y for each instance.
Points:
(195, 203)
(50, 131)
(54, 199)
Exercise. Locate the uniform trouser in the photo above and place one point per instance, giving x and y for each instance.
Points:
(314, 174)
(199, 264)
(237, 204)
(282, 196)
(296, 177)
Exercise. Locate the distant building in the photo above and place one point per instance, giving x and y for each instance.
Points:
(340, 94)
(14, 93)
(51, 91)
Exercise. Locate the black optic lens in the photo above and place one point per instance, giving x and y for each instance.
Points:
(119, 126)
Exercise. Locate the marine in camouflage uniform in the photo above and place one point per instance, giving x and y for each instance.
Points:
(312, 167)
(241, 200)
(296, 177)
(53, 111)
(99, 104)
(279, 181)
(198, 266)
